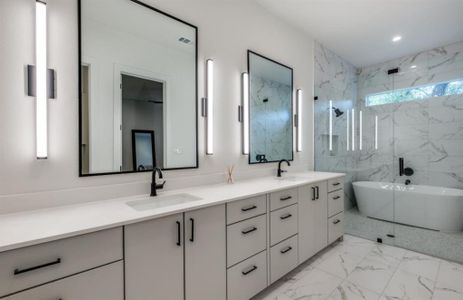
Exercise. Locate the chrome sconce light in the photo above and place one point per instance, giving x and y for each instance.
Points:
(243, 112)
(41, 80)
(207, 109)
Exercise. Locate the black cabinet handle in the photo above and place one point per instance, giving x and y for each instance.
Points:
(313, 193)
(318, 192)
(286, 198)
(249, 208)
(21, 271)
(284, 217)
(336, 183)
(179, 233)
(285, 250)
(192, 237)
(336, 198)
(336, 221)
(252, 269)
(249, 230)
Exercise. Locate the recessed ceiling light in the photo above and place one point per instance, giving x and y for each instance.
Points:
(396, 38)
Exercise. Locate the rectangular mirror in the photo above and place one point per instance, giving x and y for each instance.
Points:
(138, 89)
(270, 110)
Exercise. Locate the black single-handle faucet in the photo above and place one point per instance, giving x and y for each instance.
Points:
(279, 167)
(154, 185)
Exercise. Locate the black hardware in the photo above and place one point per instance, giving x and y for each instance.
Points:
(265, 100)
(336, 183)
(408, 171)
(249, 271)
(407, 182)
(286, 216)
(279, 171)
(249, 230)
(392, 71)
(315, 98)
(318, 192)
(286, 198)
(287, 249)
(336, 221)
(379, 240)
(401, 166)
(261, 158)
(313, 194)
(179, 238)
(249, 208)
(390, 235)
(336, 198)
(338, 112)
(21, 271)
(154, 185)
(192, 238)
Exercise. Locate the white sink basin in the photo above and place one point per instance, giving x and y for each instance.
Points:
(290, 178)
(161, 201)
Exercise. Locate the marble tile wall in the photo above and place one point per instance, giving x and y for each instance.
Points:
(427, 133)
(271, 130)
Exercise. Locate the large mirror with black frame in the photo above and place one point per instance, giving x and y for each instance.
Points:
(270, 110)
(138, 88)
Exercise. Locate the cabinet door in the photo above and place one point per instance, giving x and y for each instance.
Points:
(205, 254)
(103, 283)
(312, 219)
(154, 259)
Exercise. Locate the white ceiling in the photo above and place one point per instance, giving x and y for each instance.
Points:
(361, 30)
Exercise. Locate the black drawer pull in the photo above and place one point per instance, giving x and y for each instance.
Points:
(19, 271)
(179, 238)
(318, 192)
(252, 269)
(336, 184)
(287, 249)
(336, 198)
(284, 217)
(336, 221)
(192, 237)
(249, 208)
(249, 230)
(313, 194)
(286, 198)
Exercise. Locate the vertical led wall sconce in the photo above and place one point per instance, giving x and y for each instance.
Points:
(330, 141)
(41, 80)
(348, 131)
(353, 129)
(243, 112)
(208, 107)
(376, 132)
(360, 130)
(298, 120)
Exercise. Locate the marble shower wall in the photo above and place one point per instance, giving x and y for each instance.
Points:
(427, 133)
(271, 110)
(335, 80)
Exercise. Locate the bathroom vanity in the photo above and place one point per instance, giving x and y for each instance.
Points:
(227, 241)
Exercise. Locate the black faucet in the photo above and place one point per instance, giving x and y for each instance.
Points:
(279, 167)
(404, 171)
(154, 185)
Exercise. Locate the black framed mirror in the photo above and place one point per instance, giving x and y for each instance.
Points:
(137, 71)
(270, 110)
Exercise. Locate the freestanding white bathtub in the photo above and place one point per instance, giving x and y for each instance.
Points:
(424, 206)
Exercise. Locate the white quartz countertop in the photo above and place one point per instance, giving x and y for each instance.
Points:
(33, 227)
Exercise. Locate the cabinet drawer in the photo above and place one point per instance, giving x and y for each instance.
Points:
(283, 198)
(245, 209)
(104, 283)
(283, 223)
(335, 227)
(335, 202)
(247, 278)
(245, 239)
(283, 258)
(27, 267)
(335, 184)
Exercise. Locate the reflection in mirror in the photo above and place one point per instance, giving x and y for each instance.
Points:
(138, 89)
(270, 111)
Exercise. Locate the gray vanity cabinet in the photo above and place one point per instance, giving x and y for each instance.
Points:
(154, 259)
(177, 257)
(313, 225)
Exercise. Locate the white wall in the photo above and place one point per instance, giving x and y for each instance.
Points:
(226, 30)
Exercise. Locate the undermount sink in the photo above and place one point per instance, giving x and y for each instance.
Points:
(161, 201)
(290, 178)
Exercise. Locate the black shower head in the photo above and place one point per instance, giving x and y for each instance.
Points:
(338, 112)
